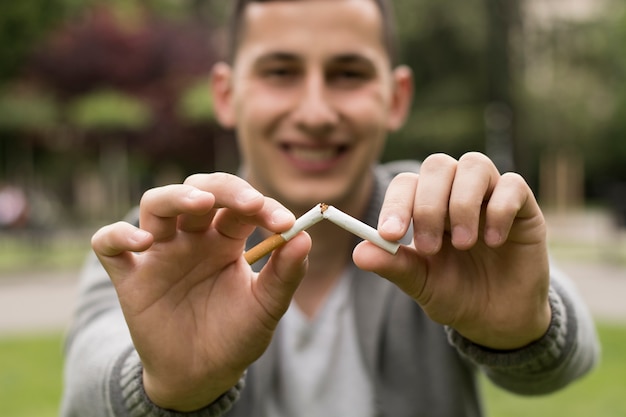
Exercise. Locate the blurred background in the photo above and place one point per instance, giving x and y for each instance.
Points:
(100, 101)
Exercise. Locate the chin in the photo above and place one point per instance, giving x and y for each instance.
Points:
(307, 197)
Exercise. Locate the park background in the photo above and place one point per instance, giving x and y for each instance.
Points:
(101, 100)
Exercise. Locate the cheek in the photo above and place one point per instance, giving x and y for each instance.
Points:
(369, 118)
(258, 118)
(261, 105)
(367, 109)
(372, 132)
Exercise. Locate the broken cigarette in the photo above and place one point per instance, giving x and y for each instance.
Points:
(359, 228)
(313, 216)
(303, 222)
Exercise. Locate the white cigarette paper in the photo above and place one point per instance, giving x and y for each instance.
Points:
(303, 222)
(315, 215)
(359, 228)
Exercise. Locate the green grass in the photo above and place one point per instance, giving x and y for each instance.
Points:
(612, 252)
(31, 367)
(601, 393)
(20, 253)
(30, 375)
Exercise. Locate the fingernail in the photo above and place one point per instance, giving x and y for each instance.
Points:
(493, 236)
(281, 216)
(392, 225)
(426, 242)
(248, 195)
(194, 194)
(139, 236)
(461, 235)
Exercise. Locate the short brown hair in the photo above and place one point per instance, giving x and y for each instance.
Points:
(384, 6)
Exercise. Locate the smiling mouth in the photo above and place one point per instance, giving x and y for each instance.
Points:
(307, 154)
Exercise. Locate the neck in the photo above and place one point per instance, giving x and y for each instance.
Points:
(332, 249)
(329, 257)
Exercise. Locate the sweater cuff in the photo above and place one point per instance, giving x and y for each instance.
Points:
(540, 355)
(137, 403)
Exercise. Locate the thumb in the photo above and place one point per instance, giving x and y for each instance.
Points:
(280, 277)
(405, 269)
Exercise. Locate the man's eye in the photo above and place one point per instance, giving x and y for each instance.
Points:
(348, 74)
(348, 77)
(279, 72)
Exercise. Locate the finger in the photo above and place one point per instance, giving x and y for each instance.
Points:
(474, 181)
(273, 217)
(405, 268)
(191, 223)
(160, 208)
(430, 209)
(280, 277)
(118, 238)
(229, 191)
(511, 199)
(114, 244)
(397, 210)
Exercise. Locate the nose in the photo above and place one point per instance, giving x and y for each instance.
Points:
(315, 113)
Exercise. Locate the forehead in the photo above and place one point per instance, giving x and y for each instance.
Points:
(312, 27)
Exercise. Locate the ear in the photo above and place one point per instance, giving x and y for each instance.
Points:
(221, 90)
(401, 98)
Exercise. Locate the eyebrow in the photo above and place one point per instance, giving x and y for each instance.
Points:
(289, 57)
(354, 61)
(277, 56)
(352, 58)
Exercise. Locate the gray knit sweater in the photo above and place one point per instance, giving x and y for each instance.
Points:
(418, 367)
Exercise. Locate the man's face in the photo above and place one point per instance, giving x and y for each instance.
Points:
(311, 95)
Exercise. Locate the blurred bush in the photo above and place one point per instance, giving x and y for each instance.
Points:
(92, 90)
(108, 110)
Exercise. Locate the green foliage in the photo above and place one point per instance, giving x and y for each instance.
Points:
(571, 95)
(564, 79)
(109, 110)
(27, 111)
(22, 26)
(443, 42)
(195, 104)
(611, 154)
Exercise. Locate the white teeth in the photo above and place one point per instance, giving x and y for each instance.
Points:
(313, 155)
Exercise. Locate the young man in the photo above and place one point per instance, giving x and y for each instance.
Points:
(324, 328)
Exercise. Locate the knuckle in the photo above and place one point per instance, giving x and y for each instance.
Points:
(401, 189)
(502, 208)
(438, 160)
(400, 183)
(103, 236)
(199, 180)
(194, 179)
(464, 206)
(97, 237)
(472, 159)
(405, 177)
(154, 195)
(514, 179)
(428, 212)
(147, 196)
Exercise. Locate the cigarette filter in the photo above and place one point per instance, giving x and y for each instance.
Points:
(303, 222)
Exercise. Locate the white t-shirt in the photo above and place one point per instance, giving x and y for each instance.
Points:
(321, 371)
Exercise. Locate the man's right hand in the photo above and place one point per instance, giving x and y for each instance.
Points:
(197, 313)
